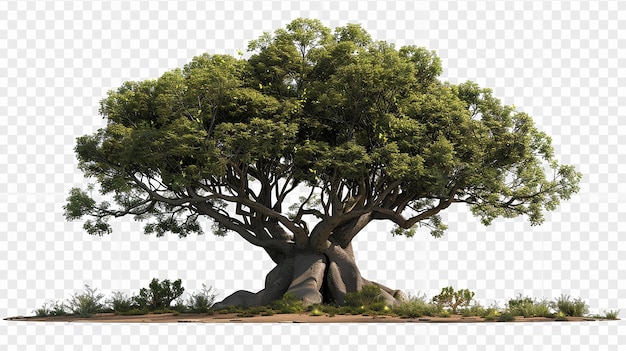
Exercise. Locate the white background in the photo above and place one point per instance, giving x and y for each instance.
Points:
(562, 62)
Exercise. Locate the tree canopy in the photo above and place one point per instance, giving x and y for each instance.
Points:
(315, 135)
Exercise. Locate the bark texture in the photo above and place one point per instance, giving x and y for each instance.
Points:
(314, 277)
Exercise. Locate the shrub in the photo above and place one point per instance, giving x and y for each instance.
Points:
(572, 308)
(159, 295)
(560, 316)
(506, 317)
(521, 306)
(290, 303)
(201, 301)
(542, 309)
(87, 303)
(181, 306)
(492, 312)
(50, 309)
(448, 298)
(476, 310)
(368, 296)
(612, 315)
(444, 313)
(316, 312)
(414, 307)
(120, 302)
(527, 307)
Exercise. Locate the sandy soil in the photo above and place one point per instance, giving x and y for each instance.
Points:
(277, 318)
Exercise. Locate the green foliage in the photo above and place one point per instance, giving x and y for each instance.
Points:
(611, 315)
(369, 128)
(247, 312)
(560, 316)
(120, 302)
(316, 312)
(201, 301)
(528, 307)
(572, 308)
(134, 312)
(475, 310)
(87, 303)
(289, 303)
(492, 313)
(369, 295)
(506, 317)
(158, 295)
(415, 307)
(444, 313)
(448, 298)
(52, 309)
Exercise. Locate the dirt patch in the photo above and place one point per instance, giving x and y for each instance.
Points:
(277, 318)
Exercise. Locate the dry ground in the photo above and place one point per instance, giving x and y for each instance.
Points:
(277, 318)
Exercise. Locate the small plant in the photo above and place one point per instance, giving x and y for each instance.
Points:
(134, 312)
(415, 307)
(180, 306)
(492, 313)
(368, 295)
(290, 303)
(201, 301)
(506, 317)
(52, 309)
(521, 306)
(255, 311)
(571, 308)
(542, 309)
(448, 298)
(444, 314)
(612, 315)
(159, 295)
(87, 303)
(120, 302)
(475, 310)
(528, 307)
(316, 312)
(561, 316)
(42, 311)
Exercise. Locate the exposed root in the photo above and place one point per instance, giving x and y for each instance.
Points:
(314, 278)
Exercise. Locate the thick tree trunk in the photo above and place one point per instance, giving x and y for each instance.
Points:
(314, 277)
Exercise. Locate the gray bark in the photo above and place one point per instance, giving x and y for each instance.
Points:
(313, 277)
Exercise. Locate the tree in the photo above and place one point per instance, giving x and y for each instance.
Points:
(364, 130)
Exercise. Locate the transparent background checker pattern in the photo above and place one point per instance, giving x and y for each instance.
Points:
(563, 62)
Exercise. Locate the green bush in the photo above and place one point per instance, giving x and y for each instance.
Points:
(158, 295)
(476, 310)
(448, 298)
(506, 317)
(290, 303)
(369, 295)
(571, 308)
(528, 307)
(561, 316)
(52, 309)
(612, 315)
(201, 301)
(492, 312)
(87, 303)
(415, 307)
(316, 312)
(120, 302)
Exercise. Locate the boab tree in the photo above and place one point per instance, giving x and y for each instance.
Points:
(302, 145)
